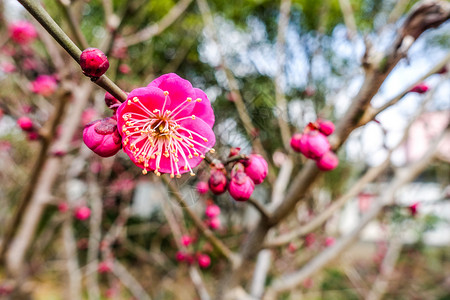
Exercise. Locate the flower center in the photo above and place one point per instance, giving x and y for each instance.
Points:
(160, 133)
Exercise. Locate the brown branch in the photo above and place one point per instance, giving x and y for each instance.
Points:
(283, 22)
(156, 28)
(387, 268)
(70, 248)
(371, 112)
(47, 132)
(349, 18)
(259, 207)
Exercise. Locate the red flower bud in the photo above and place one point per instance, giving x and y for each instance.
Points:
(420, 88)
(82, 213)
(203, 260)
(202, 187)
(217, 182)
(241, 186)
(102, 137)
(212, 211)
(93, 62)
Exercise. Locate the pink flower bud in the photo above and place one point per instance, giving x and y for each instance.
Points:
(44, 85)
(256, 168)
(313, 144)
(234, 151)
(104, 267)
(326, 127)
(93, 62)
(202, 187)
(292, 248)
(310, 239)
(102, 137)
(329, 241)
(217, 182)
(212, 211)
(22, 32)
(111, 101)
(203, 260)
(25, 123)
(420, 88)
(186, 240)
(328, 161)
(241, 186)
(214, 223)
(413, 208)
(63, 207)
(32, 136)
(180, 256)
(82, 213)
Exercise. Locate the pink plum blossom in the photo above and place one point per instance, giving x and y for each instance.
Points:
(44, 85)
(63, 207)
(256, 168)
(8, 67)
(203, 260)
(212, 211)
(22, 32)
(180, 256)
(202, 187)
(241, 185)
(102, 137)
(82, 213)
(328, 161)
(166, 127)
(124, 69)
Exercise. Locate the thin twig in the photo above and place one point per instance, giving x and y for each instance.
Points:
(73, 270)
(73, 24)
(156, 28)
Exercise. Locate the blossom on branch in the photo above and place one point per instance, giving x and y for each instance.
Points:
(166, 127)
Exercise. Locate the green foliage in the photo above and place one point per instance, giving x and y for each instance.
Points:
(336, 286)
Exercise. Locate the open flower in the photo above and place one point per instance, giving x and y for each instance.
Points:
(166, 127)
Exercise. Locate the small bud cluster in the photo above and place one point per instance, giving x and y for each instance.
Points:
(245, 173)
(80, 212)
(212, 213)
(313, 144)
(189, 256)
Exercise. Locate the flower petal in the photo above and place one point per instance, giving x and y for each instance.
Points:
(203, 109)
(179, 90)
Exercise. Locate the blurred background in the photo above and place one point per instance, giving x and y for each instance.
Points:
(313, 62)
